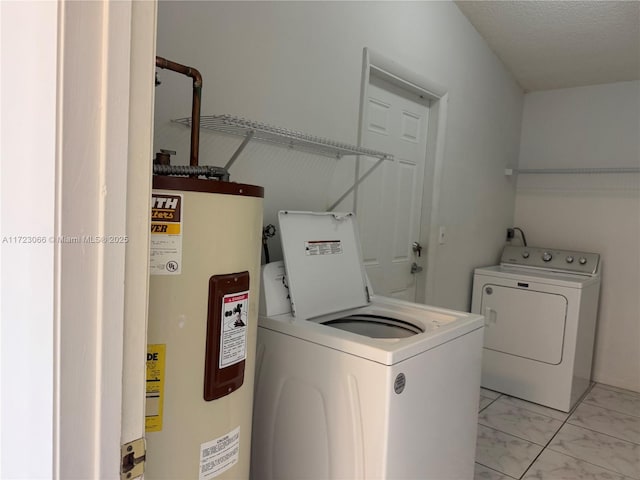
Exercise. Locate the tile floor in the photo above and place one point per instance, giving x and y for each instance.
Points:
(598, 440)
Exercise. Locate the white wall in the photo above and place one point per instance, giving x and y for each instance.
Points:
(594, 126)
(28, 91)
(298, 65)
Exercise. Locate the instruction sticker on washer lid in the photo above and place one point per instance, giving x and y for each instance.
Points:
(165, 256)
(235, 317)
(323, 247)
(219, 455)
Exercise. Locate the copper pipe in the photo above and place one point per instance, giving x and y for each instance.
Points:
(195, 104)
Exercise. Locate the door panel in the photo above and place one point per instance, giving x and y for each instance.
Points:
(411, 127)
(389, 203)
(378, 116)
(525, 323)
(407, 172)
(368, 224)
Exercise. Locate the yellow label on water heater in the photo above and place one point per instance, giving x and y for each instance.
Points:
(155, 387)
(165, 253)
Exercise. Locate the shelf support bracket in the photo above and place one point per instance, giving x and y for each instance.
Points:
(356, 183)
(239, 150)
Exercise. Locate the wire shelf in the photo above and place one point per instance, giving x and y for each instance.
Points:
(585, 170)
(281, 136)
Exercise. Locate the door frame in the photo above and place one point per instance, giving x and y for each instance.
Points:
(374, 63)
(100, 314)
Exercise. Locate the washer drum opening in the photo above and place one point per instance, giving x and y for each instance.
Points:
(374, 326)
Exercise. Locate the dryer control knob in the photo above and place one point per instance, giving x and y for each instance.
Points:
(582, 260)
(525, 254)
(569, 259)
(546, 256)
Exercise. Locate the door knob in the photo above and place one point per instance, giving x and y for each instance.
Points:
(415, 268)
(417, 248)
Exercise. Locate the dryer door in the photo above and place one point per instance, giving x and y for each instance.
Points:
(525, 323)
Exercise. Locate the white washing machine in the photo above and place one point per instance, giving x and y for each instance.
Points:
(540, 307)
(354, 386)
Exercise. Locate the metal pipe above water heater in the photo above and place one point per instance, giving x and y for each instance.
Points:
(195, 102)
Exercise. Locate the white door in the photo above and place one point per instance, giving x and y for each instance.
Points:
(389, 202)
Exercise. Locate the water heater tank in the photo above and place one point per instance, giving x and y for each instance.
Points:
(203, 305)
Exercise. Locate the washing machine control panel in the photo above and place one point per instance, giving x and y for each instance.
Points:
(558, 260)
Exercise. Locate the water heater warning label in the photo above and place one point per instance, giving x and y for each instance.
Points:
(323, 247)
(233, 338)
(166, 234)
(155, 387)
(219, 455)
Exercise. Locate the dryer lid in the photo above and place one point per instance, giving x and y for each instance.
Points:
(322, 260)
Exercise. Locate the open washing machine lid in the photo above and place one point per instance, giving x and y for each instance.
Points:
(322, 260)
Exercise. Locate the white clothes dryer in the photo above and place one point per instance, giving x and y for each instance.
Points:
(354, 386)
(540, 307)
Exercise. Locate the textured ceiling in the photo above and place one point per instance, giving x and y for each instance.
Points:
(560, 44)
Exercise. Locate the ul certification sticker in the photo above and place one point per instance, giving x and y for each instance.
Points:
(166, 234)
(219, 455)
(233, 341)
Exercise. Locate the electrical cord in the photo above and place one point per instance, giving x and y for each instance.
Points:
(524, 239)
(267, 232)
